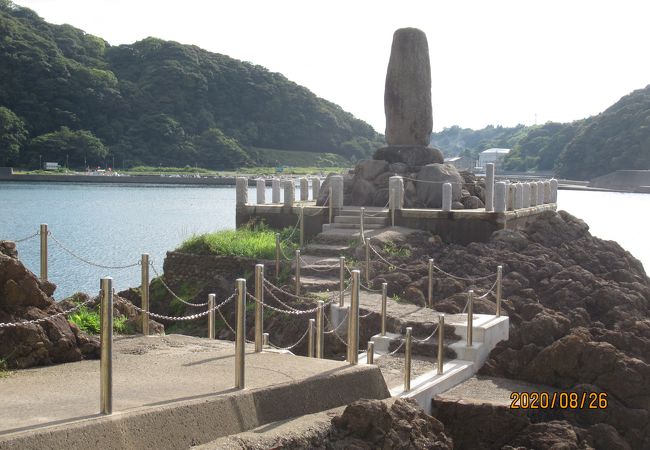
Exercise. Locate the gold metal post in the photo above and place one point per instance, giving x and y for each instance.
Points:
(341, 281)
(499, 276)
(320, 330)
(211, 321)
(430, 292)
(144, 291)
(310, 338)
(353, 320)
(240, 336)
(384, 290)
(43, 233)
(367, 248)
(259, 306)
(407, 359)
(470, 317)
(297, 272)
(441, 339)
(106, 347)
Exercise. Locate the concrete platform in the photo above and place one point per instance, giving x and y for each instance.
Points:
(172, 392)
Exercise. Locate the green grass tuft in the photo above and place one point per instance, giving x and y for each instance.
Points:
(250, 242)
(89, 321)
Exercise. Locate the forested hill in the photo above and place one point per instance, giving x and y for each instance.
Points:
(618, 138)
(65, 92)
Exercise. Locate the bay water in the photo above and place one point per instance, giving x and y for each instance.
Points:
(112, 225)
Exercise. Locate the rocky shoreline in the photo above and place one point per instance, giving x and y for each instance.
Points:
(579, 311)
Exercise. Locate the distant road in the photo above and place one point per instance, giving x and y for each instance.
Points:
(126, 179)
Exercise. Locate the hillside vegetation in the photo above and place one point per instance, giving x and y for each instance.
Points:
(618, 138)
(67, 94)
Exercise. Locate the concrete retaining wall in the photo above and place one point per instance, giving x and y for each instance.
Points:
(193, 422)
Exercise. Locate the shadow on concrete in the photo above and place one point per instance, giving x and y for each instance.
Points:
(51, 423)
(192, 397)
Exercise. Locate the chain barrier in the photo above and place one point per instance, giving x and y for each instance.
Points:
(186, 318)
(378, 213)
(291, 347)
(491, 290)
(384, 260)
(18, 241)
(333, 331)
(81, 258)
(297, 297)
(160, 277)
(293, 311)
(430, 182)
(397, 349)
(53, 316)
(367, 288)
(426, 339)
(226, 322)
(367, 315)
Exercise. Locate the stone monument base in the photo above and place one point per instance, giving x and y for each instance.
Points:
(411, 155)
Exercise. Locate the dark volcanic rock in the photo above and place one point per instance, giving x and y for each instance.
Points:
(370, 424)
(23, 297)
(579, 311)
(412, 156)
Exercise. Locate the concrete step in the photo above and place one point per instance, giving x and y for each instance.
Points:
(357, 220)
(352, 226)
(319, 283)
(369, 211)
(340, 236)
(318, 266)
(334, 250)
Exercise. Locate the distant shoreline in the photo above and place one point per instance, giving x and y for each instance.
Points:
(126, 179)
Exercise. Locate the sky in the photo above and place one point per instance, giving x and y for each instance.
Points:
(492, 62)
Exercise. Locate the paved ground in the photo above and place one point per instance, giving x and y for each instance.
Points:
(147, 372)
(492, 390)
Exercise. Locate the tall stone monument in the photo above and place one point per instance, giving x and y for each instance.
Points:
(407, 102)
(409, 121)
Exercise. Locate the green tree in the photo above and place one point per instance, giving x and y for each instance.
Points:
(12, 136)
(76, 147)
(219, 151)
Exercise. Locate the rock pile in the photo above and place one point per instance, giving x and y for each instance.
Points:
(579, 311)
(24, 297)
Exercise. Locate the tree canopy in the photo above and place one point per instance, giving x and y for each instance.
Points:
(158, 102)
(618, 138)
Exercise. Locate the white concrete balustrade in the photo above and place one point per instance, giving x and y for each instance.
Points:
(261, 191)
(446, 197)
(241, 191)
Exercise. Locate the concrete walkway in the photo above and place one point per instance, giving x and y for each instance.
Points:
(491, 390)
(172, 389)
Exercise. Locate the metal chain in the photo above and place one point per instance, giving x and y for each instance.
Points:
(470, 279)
(81, 258)
(367, 315)
(430, 182)
(160, 277)
(291, 346)
(226, 322)
(333, 331)
(295, 312)
(491, 290)
(298, 297)
(384, 260)
(397, 349)
(378, 213)
(190, 317)
(313, 266)
(368, 289)
(428, 337)
(53, 316)
(17, 241)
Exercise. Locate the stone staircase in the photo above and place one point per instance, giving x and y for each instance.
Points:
(320, 272)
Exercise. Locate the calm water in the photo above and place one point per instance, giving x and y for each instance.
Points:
(114, 224)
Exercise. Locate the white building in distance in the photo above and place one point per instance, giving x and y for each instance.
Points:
(492, 155)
